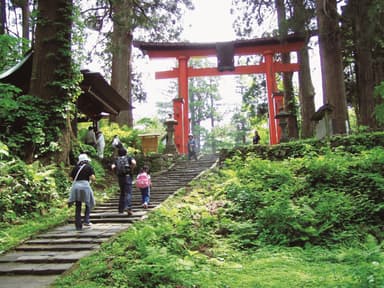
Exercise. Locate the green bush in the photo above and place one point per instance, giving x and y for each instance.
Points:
(129, 138)
(321, 199)
(297, 149)
(26, 189)
(21, 121)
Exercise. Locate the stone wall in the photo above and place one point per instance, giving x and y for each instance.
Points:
(350, 143)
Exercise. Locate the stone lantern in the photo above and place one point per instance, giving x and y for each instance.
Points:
(170, 147)
(283, 123)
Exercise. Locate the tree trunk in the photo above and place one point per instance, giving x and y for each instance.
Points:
(121, 58)
(26, 15)
(306, 89)
(51, 65)
(306, 95)
(212, 116)
(364, 64)
(331, 63)
(3, 17)
(24, 6)
(289, 99)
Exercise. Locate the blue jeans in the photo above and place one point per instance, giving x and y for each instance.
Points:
(125, 200)
(78, 220)
(145, 194)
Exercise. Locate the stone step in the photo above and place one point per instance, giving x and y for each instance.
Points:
(68, 240)
(95, 235)
(44, 257)
(34, 269)
(58, 247)
(26, 281)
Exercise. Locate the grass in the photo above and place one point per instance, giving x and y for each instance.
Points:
(287, 267)
(13, 234)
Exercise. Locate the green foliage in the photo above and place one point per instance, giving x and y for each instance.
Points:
(150, 125)
(10, 51)
(352, 143)
(317, 199)
(26, 190)
(23, 127)
(30, 192)
(370, 259)
(128, 136)
(162, 249)
(201, 238)
(61, 181)
(379, 109)
(11, 234)
(218, 232)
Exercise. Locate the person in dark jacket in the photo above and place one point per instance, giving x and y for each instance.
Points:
(256, 138)
(191, 147)
(81, 192)
(125, 182)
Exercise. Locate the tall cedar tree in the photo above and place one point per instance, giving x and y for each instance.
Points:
(331, 63)
(51, 67)
(3, 17)
(159, 20)
(289, 98)
(363, 23)
(121, 56)
(301, 16)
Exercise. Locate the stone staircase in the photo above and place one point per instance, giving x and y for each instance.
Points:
(39, 261)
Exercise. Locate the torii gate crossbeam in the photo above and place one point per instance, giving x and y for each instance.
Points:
(268, 47)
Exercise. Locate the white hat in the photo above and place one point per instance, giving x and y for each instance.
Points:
(83, 157)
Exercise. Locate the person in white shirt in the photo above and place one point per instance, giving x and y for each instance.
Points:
(100, 144)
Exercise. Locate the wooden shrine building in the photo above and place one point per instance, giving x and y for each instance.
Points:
(97, 96)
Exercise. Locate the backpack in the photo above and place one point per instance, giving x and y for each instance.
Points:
(142, 180)
(122, 166)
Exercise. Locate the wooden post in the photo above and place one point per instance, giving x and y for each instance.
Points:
(183, 125)
(178, 116)
(278, 98)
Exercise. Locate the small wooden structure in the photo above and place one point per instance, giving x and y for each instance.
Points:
(149, 142)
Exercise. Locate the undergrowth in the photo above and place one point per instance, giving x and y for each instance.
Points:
(306, 222)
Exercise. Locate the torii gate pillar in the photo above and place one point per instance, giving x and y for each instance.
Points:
(180, 107)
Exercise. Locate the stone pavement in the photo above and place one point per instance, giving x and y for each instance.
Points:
(40, 260)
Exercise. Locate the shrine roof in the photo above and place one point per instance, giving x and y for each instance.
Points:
(97, 95)
(245, 46)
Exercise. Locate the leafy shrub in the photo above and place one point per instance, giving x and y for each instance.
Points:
(319, 199)
(11, 50)
(23, 128)
(25, 189)
(298, 149)
(129, 138)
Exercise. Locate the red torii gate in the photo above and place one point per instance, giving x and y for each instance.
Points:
(225, 51)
